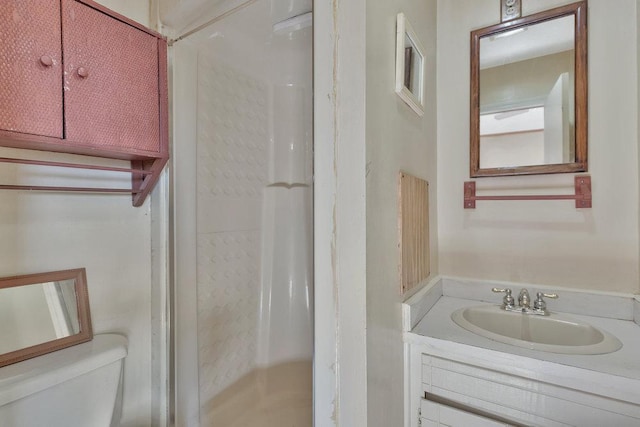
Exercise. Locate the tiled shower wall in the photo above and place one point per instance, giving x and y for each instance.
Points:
(231, 173)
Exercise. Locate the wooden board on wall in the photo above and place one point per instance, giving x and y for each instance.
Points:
(413, 230)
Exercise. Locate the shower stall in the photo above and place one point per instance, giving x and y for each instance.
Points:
(243, 220)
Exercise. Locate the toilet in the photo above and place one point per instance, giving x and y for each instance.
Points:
(76, 386)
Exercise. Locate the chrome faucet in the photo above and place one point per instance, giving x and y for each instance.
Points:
(524, 301)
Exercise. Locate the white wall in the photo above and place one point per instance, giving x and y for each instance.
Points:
(397, 139)
(103, 233)
(138, 10)
(111, 239)
(545, 242)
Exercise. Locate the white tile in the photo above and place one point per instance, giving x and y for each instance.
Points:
(232, 152)
(228, 297)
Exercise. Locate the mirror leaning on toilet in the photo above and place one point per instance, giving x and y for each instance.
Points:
(41, 313)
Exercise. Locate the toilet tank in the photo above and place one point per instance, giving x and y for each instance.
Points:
(76, 386)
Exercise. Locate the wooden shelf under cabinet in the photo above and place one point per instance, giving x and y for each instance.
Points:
(78, 78)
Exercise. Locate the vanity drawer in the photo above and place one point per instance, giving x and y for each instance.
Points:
(436, 414)
(521, 399)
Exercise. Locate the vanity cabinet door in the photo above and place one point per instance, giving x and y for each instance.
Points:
(111, 89)
(30, 68)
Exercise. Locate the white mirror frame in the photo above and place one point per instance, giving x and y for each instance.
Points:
(415, 102)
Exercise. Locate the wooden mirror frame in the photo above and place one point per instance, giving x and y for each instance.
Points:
(579, 11)
(82, 303)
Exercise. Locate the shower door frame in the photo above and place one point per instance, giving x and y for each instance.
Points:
(340, 368)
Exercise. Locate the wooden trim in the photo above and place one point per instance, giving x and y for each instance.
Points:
(474, 98)
(579, 10)
(82, 305)
(582, 83)
(529, 170)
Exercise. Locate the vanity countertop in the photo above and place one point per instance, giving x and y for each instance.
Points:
(615, 375)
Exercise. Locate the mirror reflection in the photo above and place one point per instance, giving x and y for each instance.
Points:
(529, 94)
(527, 110)
(412, 66)
(44, 312)
(38, 313)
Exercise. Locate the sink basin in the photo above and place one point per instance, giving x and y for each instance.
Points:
(555, 333)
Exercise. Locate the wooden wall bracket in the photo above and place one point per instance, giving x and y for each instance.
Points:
(582, 194)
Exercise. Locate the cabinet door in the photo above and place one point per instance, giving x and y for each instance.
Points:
(110, 82)
(30, 67)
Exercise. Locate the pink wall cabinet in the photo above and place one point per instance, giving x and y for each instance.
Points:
(78, 78)
(31, 67)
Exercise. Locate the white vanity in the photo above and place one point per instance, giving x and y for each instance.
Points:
(455, 377)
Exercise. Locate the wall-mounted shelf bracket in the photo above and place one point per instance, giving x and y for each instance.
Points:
(582, 194)
(144, 175)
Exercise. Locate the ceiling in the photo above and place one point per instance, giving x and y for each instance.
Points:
(536, 40)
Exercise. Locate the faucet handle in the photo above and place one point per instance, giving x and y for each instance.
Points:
(508, 301)
(539, 304)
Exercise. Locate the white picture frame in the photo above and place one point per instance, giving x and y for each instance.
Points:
(410, 64)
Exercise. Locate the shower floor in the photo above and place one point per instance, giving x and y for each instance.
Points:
(276, 396)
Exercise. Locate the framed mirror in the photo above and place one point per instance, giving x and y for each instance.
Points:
(409, 65)
(529, 94)
(41, 313)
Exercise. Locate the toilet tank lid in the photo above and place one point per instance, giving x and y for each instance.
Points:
(34, 375)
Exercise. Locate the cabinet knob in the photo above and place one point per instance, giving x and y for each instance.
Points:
(46, 60)
(83, 72)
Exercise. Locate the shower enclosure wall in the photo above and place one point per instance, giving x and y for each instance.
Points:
(243, 218)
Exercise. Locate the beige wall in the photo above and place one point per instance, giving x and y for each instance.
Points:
(512, 149)
(397, 139)
(527, 80)
(546, 242)
(103, 233)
